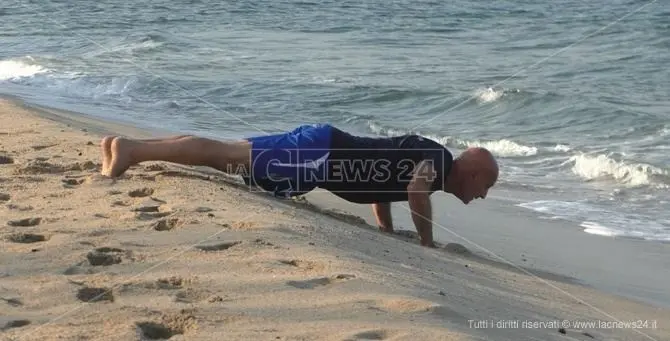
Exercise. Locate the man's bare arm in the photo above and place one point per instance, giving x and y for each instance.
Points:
(418, 192)
(382, 213)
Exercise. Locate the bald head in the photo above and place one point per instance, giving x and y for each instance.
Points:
(481, 159)
(475, 170)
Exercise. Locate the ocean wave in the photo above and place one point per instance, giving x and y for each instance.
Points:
(603, 222)
(561, 148)
(17, 68)
(601, 230)
(130, 45)
(84, 86)
(359, 94)
(501, 148)
(601, 166)
(488, 95)
(31, 72)
(553, 158)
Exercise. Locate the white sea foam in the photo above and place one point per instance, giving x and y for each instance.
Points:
(600, 221)
(560, 208)
(13, 69)
(384, 131)
(502, 148)
(27, 71)
(597, 229)
(593, 167)
(489, 94)
(561, 148)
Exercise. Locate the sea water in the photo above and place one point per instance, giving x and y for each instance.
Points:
(572, 97)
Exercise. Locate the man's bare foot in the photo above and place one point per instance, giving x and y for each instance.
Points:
(106, 154)
(121, 160)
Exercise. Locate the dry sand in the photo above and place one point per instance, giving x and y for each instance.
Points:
(168, 252)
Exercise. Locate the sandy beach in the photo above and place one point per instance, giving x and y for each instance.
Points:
(170, 252)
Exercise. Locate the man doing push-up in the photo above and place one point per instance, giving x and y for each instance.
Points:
(365, 170)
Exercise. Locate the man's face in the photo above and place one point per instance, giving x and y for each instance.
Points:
(475, 186)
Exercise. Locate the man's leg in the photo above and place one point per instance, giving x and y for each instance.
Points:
(186, 150)
(106, 149)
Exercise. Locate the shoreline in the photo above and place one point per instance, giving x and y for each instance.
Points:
(439, 290)
(528, 250)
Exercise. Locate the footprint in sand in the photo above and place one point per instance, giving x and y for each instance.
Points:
(43, 167)
(157, 331)
(70, 182)
(370, 335)
(302, 264)
(404, 305)
(411, 305)
(34, 179)
(151, 215)
(320, 281)
(171, 325)
(166, 283)
(43, 146)
(78, 269)
(120, 203)
(14, 302)
(262, 242)
(6, 160)
(166, 224)
(27, 222)
(457, 249)
(19, 208)
(105, 256)
(26, 238)
(148, 213)
(88, 294)
(173, 282)
(88, 165)
(191, 295)
(15, 324)
(218, 246)
(149, 206)
(141, 192)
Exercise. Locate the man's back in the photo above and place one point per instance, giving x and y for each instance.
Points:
(368, 169)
